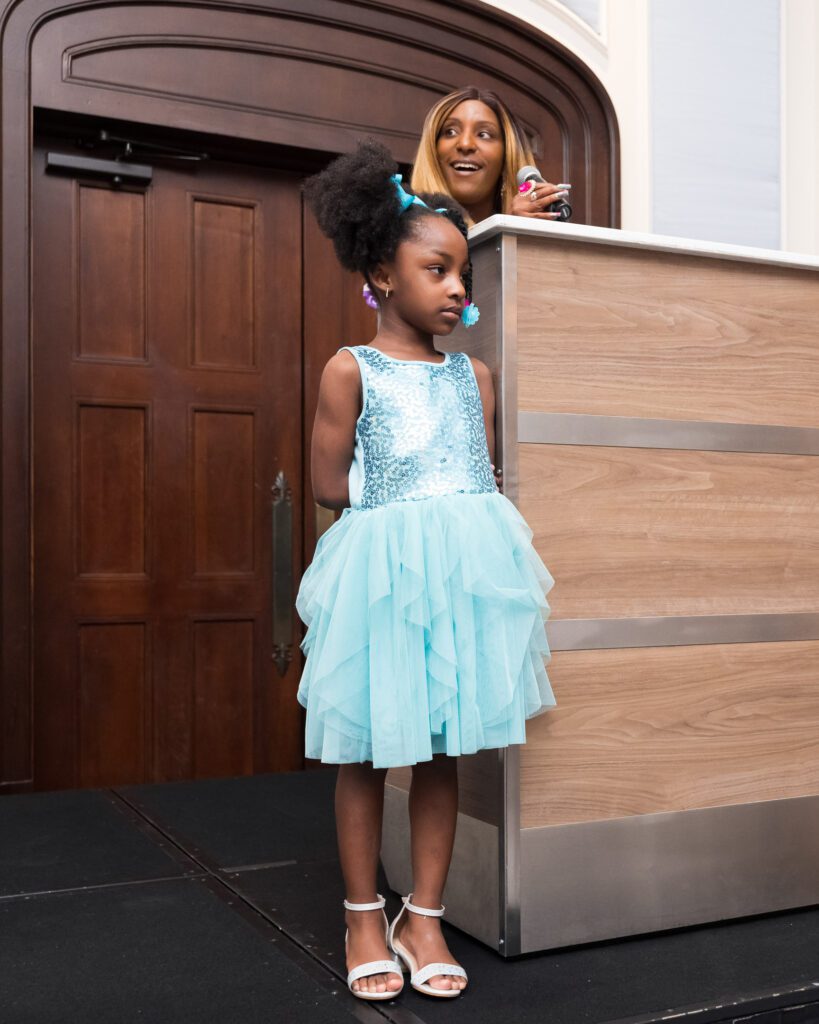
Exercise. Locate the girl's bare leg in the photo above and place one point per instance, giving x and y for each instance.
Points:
(359, 815)
(433, 807)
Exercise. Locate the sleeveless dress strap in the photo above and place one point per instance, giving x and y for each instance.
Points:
(362, 369)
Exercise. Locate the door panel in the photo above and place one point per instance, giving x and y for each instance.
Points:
(167, 396)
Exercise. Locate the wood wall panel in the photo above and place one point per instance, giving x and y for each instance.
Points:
(708, 339)
(642, 531)
(114, 688)
(223, 494)
(112, 490)
(645, 730)
(223, 698)
(223, 288)
(109, 260)
(273, 78)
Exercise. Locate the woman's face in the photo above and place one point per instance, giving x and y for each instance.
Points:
(470, 150)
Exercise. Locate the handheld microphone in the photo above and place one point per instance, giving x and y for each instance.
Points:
(530, 173)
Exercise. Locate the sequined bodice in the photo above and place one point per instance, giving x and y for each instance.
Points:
(421, 430)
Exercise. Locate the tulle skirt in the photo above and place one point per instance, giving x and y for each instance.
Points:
(426, 631)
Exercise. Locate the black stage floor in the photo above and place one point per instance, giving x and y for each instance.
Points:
(220, 901)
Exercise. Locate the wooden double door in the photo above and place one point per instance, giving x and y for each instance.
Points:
(175, 368)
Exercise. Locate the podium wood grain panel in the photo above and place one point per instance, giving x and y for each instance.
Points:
(636, 531)
(626, 332)
(643, 730)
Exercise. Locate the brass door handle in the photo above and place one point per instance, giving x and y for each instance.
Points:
(282, 572)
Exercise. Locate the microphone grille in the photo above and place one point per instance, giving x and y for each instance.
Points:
(528, 173)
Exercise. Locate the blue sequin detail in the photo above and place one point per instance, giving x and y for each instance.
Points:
(421, 432)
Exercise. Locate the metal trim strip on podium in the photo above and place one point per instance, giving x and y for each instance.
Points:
(638, 432)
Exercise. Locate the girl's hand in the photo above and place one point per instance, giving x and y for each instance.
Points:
(534, 199)
(498, 477)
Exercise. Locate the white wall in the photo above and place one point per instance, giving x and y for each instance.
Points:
(800, 125)
(724, 92)
(715, 129)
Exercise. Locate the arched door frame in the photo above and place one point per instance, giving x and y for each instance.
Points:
(421, 48)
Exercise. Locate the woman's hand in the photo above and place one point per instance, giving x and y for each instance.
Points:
(535, 197)
(498, 477)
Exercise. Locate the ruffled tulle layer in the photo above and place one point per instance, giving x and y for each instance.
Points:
(425, 631)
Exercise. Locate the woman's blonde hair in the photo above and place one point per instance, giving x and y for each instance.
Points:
(427, 175)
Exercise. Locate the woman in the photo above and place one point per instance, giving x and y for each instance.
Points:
(472, 148)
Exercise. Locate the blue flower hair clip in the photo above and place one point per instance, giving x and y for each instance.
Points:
(470, 314)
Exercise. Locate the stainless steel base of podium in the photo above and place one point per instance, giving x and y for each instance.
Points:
(569, 884)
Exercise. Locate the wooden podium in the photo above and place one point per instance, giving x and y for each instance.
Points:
(658, 427)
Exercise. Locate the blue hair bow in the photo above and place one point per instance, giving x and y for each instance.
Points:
(406, 200)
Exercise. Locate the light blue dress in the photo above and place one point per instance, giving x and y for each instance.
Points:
(425, 602)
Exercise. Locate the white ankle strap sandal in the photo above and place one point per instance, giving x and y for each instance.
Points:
(419, 978)
(373, 966)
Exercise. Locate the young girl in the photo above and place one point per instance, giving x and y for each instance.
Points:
(425, 602)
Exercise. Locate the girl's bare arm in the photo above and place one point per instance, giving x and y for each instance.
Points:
(333, 444)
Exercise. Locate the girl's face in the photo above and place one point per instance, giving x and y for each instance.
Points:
(471, 152)
(426, 278)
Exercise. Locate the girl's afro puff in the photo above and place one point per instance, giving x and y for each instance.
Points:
(357, 207)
